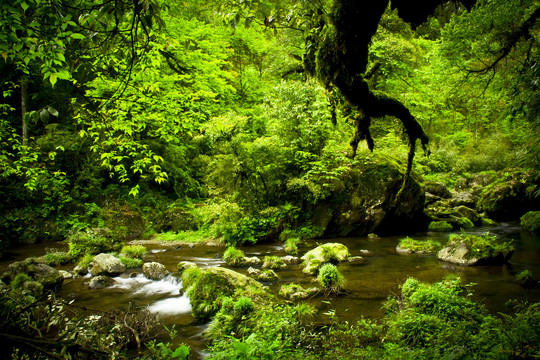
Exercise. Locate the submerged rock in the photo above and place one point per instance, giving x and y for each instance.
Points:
(49, 277)
(154, 271)
(295, 292)
(322, 254)
(267, 275)
(100, 282)
(184, 265)
(107, 264)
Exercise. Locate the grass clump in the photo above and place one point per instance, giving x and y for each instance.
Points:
(131, 263)
(133, 251)
(234, 257)
(482, 246)
(331, 279)
(429, 246)
(440, 226)
(273, 262)
(291, 245)
(56, 258)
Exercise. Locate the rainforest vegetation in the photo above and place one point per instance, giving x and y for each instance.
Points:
(243, 121)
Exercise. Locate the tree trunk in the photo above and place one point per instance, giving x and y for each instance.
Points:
(24, 103)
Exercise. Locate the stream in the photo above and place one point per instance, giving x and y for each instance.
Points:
(368, 284)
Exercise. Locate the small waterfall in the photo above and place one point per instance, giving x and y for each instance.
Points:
(163, 296)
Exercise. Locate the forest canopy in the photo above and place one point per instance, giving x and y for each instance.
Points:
(259, 107)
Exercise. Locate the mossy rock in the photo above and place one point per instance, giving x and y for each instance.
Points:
(37, 271)
(366, 201)
(295, 292)
(438, 189)
(176, 220)
(125, 222)
(531, 221)
(327, 253)
(440, 226)
(467, 250)
(409, 245)
(514, 192)
(206, 289)
(469, 213)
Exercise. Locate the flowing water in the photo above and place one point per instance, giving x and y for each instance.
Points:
(368, 284)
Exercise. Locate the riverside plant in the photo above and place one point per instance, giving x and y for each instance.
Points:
(331, 279)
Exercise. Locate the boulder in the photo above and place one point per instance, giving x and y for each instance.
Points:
(531, 221)
(154, 271)
(207, 287)
(438, 189)
(66, 274)
(514, 192)
(295, 292)
(107, 264)
(184, 265)
(267, 275)
(365, 202)
(469, 213)
(49, 277)
(322, 254)
(356, 260)
(466, 198)
(100, 282)
(471, 250)
(289, 259)
(175, 219)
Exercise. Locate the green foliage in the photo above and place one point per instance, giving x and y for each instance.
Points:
(291, 245)
(19, 281)
(531, 221)
(416, 246)
(526, 279)
(90, 243)
(131, 263)
(481, 246)
(55, 258)
(272, 262)
(331, 279)
(133, 251)
(440, 226)
(234, 257)
(63, 330)
(162, 351)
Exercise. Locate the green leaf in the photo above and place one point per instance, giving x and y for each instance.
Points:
(52, 111)
(44, 115)
(24, 6)
(53, 79)
(78, 36)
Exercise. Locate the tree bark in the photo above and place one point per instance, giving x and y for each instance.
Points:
(24, 104)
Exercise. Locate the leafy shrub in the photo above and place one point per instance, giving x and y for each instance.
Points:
(55, 258)
(439, 226)
(331, 279)
(83, 243)
(419, 246)
(531, 221)
(133, 251)
(234, 257)
(272, 262)
(162, 351)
